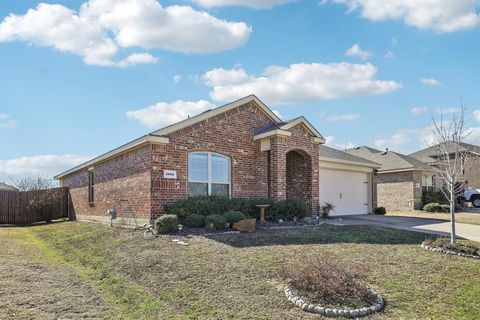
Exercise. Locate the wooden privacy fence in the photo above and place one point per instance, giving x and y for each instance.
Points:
(25, 207)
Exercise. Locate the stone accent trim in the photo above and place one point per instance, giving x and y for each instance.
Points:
(332, 312)
(449, 252)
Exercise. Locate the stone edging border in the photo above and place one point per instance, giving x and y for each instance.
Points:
(450, 252)
(332, 312)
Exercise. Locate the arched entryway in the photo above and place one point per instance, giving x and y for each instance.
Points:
(299, 175)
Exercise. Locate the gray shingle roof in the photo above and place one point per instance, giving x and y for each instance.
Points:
(389, 160)
(332, 153)
(427, 155)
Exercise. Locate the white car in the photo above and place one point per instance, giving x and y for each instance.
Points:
(473, 196)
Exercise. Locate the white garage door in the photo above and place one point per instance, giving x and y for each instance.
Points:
(347, 190)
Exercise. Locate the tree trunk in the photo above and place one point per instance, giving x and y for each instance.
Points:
(452, 216)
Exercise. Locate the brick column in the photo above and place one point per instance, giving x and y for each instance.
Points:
(278, 176)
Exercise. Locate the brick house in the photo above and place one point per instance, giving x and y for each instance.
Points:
(472, 170)
(241, 150)
(400, 180)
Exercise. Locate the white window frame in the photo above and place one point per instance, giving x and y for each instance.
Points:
(209, 172)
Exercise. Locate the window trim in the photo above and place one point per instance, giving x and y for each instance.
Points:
(209, 181)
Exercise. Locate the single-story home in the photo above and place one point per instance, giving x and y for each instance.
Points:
(400, 180)
(472, 170)
(241, 150)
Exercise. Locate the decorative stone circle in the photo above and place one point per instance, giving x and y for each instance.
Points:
(449, 252)
(331, 312)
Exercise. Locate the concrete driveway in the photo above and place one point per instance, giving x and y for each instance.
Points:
(466, 231)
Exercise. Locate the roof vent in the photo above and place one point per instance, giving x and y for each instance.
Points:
(386, 152)
(206, 111)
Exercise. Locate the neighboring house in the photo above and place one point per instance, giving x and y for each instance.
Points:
(6, 187)
(472, 170)
(400, 181)
(241, 150)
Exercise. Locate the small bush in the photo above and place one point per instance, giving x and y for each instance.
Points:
(217, 220)
(432, 207)
(234, 216)
(203, 205)
(292, 207)
(329, 282)
(445, 207)
(166, 224)
(444, 243)
(326, 208)
(380, 211)
(195, 221)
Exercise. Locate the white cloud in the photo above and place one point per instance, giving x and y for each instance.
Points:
(102, 27)
(298, 83)
(356, 51)
(341, 117)
(447, 110)
(163, 114)
(48, 165)
(389, 55)
(277, 113)
(397, 141)
(437, 15)
(177, 78)
(256, 4)
(394, 41)
(476, 114)
(419, 110)
(430, 81)
(330, 142)
(6, 121)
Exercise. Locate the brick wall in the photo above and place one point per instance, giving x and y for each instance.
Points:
(300, 141)
(472, 173)
(230, 134)
(394, 191)
(126, 177)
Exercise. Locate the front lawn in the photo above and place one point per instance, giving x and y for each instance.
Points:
(235, 276)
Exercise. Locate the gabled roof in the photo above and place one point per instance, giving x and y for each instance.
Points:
(161, 135)
(6, 187)
(327, 153)
(389, 160)
(428, 155)
(283, 127)
(211, 113)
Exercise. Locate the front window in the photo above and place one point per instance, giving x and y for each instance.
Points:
(208, 174)
(427, 182)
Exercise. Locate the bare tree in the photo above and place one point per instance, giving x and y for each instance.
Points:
(34, 182)
(453, 158)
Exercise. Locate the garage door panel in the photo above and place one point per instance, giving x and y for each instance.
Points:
(347, 190)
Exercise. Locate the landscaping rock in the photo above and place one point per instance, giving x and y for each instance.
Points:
(245, 225)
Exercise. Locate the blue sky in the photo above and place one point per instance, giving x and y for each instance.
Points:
(82, 77)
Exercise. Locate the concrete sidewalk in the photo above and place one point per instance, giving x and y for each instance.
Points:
(466, 231)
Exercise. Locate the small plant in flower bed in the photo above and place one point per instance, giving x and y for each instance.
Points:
(328, 282)
(167, 223)
(380, 211)
(445, 244)
(195, 221)
(215, 222)
(234, 216)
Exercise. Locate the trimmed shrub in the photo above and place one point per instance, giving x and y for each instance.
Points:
(234, 216)
(433, 207)
(325, 209)
(380, 211)
(195, 221)
(329, 282)
(217, 220)
(208, 205)
(167, 223)
(445, 207)
(292, 207)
